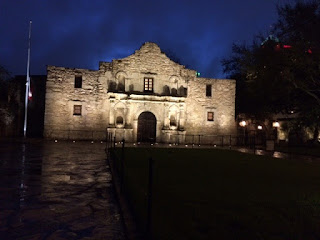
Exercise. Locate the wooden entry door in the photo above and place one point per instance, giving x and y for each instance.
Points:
(147, 124)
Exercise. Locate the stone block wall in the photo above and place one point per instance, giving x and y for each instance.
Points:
(176, 115)
(221, 103)
(149, 61)
(129, 108)
(61, 96)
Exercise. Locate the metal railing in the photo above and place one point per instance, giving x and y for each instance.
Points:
(200, 139)
(210, 140)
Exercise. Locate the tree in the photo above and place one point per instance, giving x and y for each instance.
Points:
(282, 72)
(4, 77)
(6, 112)
(299, 27)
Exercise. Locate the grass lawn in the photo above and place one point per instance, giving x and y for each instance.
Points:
(221, 194)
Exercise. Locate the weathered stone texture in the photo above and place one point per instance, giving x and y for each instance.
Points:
(149, 61)
(61, 96)
(222, 103)
(113, 98)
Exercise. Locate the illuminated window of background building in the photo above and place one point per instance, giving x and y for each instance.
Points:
(148, 84)
(78, 82)
(77, 110)
(210, 116)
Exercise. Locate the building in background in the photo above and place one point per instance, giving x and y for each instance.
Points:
(145, 97)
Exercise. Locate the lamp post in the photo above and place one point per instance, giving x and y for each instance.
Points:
(27, 86)
(243, 124)
(275, 125)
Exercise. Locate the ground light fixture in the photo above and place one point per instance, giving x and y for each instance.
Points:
(259, 127)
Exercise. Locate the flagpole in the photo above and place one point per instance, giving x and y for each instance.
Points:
(27, 86)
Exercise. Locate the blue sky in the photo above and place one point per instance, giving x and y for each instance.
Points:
(80, 33)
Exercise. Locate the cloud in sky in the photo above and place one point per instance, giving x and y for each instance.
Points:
(81, 33)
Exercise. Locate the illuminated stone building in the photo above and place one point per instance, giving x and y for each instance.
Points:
(145, 97)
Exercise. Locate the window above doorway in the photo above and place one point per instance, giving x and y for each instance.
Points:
(148, 84)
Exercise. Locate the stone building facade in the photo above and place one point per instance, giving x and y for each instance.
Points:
(145, 97)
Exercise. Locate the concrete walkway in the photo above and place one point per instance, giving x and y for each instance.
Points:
(57, 191)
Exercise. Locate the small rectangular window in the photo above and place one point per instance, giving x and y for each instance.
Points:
(78, 82)
(77, 110)
(210, 116)
(148, 84)
(209, 90)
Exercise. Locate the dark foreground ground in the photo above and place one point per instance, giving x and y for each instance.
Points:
(56, 191)
(221, 194)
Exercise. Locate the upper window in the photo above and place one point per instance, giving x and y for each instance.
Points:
(210, 116)
(148, 84)
(77, 110)
(78, 81)
(209, 90)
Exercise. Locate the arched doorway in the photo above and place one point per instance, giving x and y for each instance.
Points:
(147, 124)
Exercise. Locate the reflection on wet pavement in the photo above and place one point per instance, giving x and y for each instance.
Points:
(276, 154)
(57, 191)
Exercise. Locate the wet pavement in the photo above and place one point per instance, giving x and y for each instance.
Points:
(57, 191)
(277, 154)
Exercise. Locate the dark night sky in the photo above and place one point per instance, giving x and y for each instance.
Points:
(80, 33)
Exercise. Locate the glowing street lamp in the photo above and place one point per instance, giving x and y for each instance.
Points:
(243, 123)
(259, 127)
(276, 124)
